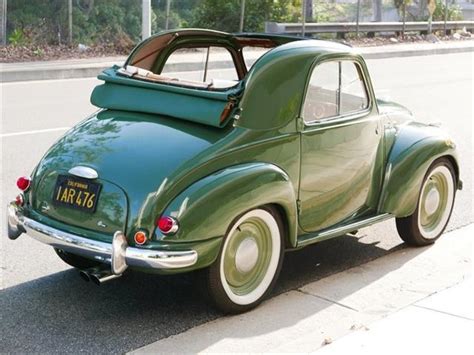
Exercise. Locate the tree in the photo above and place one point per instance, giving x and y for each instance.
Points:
(94, 21)
(225, 15)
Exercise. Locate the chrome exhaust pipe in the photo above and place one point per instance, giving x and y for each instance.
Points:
(98, 275)
(102, 276)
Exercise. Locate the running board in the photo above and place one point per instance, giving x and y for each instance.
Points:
(311, 238)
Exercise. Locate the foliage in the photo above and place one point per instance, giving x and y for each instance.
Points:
(399, 3)
(94, 21)
(17, 37)
(454, 11)
(117, 23)
(180, 13)
(40, 21)
(225, 15)
(327, 12)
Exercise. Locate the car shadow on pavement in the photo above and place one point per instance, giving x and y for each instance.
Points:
(61, 312)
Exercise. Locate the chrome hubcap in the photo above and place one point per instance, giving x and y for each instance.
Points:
(436, 201)
(247, 255)
(250, 256)
(432, 201)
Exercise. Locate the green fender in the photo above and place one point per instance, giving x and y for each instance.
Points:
(415, 148)
(207, 208)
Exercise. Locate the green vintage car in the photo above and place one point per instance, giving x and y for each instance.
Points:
(218, 152)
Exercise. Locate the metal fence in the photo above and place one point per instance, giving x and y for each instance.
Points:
(367, 27)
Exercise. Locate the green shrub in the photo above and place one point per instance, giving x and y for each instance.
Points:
(454, 11)
(17, 37)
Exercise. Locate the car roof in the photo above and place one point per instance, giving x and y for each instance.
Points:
(274, 86)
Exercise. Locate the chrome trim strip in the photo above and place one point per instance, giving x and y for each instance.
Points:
(334, 232)
(118, 253)
(84, 171)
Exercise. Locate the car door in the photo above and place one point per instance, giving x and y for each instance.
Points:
(341, 153)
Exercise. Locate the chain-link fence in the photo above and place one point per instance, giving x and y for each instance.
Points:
(118, 23)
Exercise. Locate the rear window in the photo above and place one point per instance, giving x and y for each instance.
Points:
(252, 54)
(212, 66)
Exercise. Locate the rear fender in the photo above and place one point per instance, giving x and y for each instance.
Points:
(415, 148)
(207, 208)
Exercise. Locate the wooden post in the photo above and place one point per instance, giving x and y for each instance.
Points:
(3, 22)
(146, 19)
(242, 15)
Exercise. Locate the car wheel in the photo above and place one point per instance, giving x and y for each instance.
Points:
(435, 204)
(249, 262)
(75, 260)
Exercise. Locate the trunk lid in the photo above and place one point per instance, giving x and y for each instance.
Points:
(132, 153)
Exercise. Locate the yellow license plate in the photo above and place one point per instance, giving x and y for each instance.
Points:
(76, 193)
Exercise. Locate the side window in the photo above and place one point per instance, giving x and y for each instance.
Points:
(322, 95)
(335, 88)
(210, 65)
(353, 93)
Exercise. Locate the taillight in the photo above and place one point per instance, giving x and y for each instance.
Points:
(140, 237)
(19, 200)
(23, 183)
(167, 224)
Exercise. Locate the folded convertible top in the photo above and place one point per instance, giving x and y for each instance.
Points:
(137, 94)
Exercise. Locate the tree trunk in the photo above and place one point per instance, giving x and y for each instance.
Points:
(377, 10)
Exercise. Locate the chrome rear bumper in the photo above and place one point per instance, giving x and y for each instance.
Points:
(117, 253)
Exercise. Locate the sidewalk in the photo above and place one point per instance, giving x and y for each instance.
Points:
(83, 68)
(413, 299)
(439, 324)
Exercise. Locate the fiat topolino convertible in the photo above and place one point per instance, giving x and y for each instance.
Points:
(222, 165)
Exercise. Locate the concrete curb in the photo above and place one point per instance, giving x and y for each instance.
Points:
(15, 72)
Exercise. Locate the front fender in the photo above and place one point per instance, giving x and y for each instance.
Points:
(207, 208)
(415, 148)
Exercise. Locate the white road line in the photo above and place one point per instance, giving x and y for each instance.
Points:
(14, 134)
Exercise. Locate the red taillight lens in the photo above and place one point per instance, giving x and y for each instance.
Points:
(140, 238)
(19, 200)
(23, 183)
(167, 224)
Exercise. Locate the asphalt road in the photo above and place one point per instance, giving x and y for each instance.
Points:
(46, 307)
